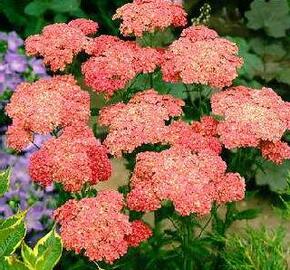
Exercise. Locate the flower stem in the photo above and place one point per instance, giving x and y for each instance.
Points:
(187, 242)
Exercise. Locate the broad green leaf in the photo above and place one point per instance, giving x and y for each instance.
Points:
(253, 64)
(28, 256)
(12, 263)
(284, 75)
(4, 181)
(64, 5)
(12, 232)
(37, 7)
(45, 254)
(176, 89)
(11, 221)
(273, 175)
(268, 51)
(272, 16)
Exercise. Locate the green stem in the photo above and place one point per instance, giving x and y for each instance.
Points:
(187, 241)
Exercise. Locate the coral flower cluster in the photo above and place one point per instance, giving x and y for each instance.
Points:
(200, 56)
(73, 159)
(98, 227)
(116, 62)
(44, 105)
(149, 15)
(140, 121)
(197, 136)
(60, 42)
(253, 118)
(191, 180)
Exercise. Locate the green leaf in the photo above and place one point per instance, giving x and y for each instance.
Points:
(272, 16)
(247, 214)
(175, 89)
(284, 76)
(12, 232)
(12, 263)
(4, 181)
(253, 64)
(37, 8)
(64, 5)
(13, 11)
(273, 175)
(28, 256)
(45, 254)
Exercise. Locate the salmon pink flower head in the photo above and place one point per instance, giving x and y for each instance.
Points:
(140, 121)
(44, 105)
(140, 232)
(192, 136)
(251, 116)
(59, 43)
(191, 180)
(88, 27)
(115, 63)
(275, 151)
(200, 56)
(98, 227)
(149, 15)
(73, 159)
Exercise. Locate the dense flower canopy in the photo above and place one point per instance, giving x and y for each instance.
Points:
(60, 42)
(149, 15)
(252, 118)
(141, 121)
(98, 227)
(74, 158)
(191, 180)
(200, 56)
(115, 62)
(42, 106)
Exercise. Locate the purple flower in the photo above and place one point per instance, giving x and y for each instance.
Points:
(16, 62)
(14, 41)
(37, 66)
(34, 216)
(14, 66)
(3, 36)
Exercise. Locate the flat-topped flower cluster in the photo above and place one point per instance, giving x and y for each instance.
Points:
(190, 172)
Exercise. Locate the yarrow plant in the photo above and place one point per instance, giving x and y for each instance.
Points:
(177, 148)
